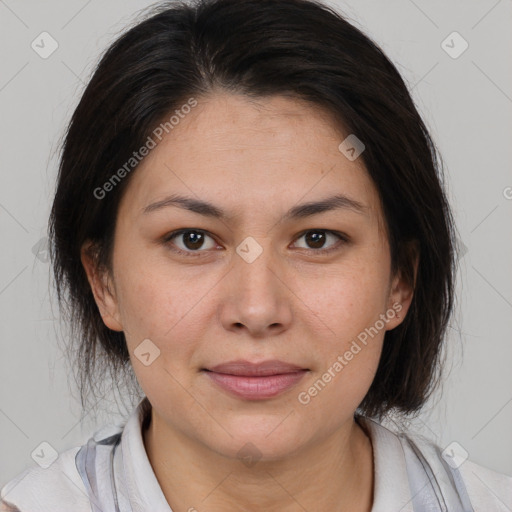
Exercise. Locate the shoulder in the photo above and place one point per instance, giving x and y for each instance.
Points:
(436, 474)
(53, 488)
(485, 488)
(78, 476)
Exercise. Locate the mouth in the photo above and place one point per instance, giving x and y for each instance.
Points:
(255, 381)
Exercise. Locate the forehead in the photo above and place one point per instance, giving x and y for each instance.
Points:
(245, 153)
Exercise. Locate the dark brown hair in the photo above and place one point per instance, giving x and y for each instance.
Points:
(298, 48)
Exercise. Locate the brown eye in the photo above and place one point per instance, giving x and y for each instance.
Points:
(193, 240)
(190, 241)
(316, 240)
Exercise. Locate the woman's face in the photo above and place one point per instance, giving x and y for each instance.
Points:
(267, 280)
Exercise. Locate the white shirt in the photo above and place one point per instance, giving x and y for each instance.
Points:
(401, 482)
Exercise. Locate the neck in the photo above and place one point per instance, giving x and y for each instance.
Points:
(335, 473)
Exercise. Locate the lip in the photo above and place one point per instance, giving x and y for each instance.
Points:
(255, 381)
(249, 369)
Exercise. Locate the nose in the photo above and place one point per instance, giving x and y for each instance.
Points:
(256, 296)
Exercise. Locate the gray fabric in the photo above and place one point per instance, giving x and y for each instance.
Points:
(434, 485)
(92, 456)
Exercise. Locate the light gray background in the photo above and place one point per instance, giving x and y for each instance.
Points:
(467, 104)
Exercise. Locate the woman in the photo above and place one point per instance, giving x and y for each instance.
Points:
(250, 217)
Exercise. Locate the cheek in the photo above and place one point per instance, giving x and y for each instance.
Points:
(349, 342)
(349, 300)
(156, 298)
(342, 382)
(159, 306)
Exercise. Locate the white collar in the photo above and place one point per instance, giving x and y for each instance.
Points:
(139, 483)
(391, 485)
(391, 482)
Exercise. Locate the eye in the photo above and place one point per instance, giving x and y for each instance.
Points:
(316, 239)
(192, 240)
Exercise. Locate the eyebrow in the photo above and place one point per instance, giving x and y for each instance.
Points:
(336, 202)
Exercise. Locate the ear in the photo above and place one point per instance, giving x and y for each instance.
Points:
(102, 287)
(403, 283)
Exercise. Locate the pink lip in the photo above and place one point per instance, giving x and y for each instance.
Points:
(256, 381)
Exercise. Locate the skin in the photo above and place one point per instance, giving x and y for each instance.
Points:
(292, 303)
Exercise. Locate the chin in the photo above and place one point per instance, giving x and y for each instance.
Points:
(264, 438)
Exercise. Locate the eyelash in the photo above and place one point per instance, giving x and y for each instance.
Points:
(167, 239)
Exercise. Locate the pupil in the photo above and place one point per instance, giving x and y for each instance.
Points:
(316, 239)
(195, 240)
